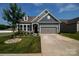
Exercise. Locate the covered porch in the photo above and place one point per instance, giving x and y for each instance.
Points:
(34, 27)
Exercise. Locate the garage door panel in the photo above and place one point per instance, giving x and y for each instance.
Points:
(48, 30)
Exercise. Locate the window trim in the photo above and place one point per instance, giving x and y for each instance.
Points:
(24, 27)
(29, 27)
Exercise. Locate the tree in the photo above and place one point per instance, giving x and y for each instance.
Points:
(13, 14)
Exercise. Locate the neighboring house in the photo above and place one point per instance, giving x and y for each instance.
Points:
(45, 22)
(70, 25)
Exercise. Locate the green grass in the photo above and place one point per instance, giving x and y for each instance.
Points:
(29, 44)
(5, 34)
(71, 35)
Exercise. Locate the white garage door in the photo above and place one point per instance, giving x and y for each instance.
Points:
(48, 30)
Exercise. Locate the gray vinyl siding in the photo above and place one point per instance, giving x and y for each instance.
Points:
(46, 20)
(68, 27)
(50, 25)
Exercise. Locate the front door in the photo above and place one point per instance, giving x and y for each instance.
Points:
(35, 28)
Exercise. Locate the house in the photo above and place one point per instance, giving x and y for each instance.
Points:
(44, 23)
(70, 25)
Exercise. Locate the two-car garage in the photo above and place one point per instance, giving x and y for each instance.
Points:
(49, 28)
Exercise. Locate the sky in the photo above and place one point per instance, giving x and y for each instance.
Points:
(63, 11)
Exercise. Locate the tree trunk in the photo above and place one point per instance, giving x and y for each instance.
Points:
(18, 28)
(13, 29)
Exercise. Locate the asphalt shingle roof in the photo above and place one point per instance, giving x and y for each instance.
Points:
(30, 18)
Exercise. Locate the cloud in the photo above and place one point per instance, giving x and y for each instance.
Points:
(38, 4)
(67, 7)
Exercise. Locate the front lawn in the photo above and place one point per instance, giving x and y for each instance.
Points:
(5, 34)
(71, 35)
(29, 44)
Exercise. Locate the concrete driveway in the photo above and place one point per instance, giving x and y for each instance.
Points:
(57, 45)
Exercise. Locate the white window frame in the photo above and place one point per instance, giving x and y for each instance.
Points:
(27, 27)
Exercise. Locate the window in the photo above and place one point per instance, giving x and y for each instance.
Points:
(48, 17)
(29, 27)
(26, 18)
(20, 27)
(24, 27)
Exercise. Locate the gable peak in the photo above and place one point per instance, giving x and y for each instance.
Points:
(46, 11)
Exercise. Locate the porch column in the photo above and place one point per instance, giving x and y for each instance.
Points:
(26, 27)
(22, 27)
(32, 27)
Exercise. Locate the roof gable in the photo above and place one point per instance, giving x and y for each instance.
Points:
(39, 16)
(46, 20)
(42, 15)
